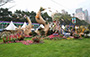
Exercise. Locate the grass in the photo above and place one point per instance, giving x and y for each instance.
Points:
(50, 48)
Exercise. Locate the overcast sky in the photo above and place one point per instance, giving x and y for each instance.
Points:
(34, 5)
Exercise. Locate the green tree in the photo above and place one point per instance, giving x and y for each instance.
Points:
(46, 17)
(5, 14)
(32, 16)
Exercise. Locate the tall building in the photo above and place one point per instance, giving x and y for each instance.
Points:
(82, 15)
(89, 19)
(78, 10)
(86, 14)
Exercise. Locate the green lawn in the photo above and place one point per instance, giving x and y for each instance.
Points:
(50, 48)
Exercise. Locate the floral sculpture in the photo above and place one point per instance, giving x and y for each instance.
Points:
(40, 20)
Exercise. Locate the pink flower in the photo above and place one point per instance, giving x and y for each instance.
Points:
(6, 37)
(13, 36)
(27, 44)
(17, 41)
(64, 37)
(30, 41)
(10, 42)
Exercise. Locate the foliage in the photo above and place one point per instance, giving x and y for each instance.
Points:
(89, 26)
(4, 34)
(66, 19)
(57, 16)
(19, 16)
(8, 36)
(46, 17)
(33, 33)
(61, 35)
(36, 39)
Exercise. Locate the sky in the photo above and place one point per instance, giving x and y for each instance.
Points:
(33, 5)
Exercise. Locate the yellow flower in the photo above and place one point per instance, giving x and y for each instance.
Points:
(68, 38)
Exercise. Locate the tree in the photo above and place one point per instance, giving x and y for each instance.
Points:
(32, 16)
(46, 17)
(19, 16)
(89, 26)
(5, 14)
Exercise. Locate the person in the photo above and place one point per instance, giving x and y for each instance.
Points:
(56, 33)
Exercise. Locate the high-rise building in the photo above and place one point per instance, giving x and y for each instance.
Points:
(86, 14)
(82, 15)
(78, 10)
(89, 19)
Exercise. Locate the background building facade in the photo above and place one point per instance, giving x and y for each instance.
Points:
(82, 15)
